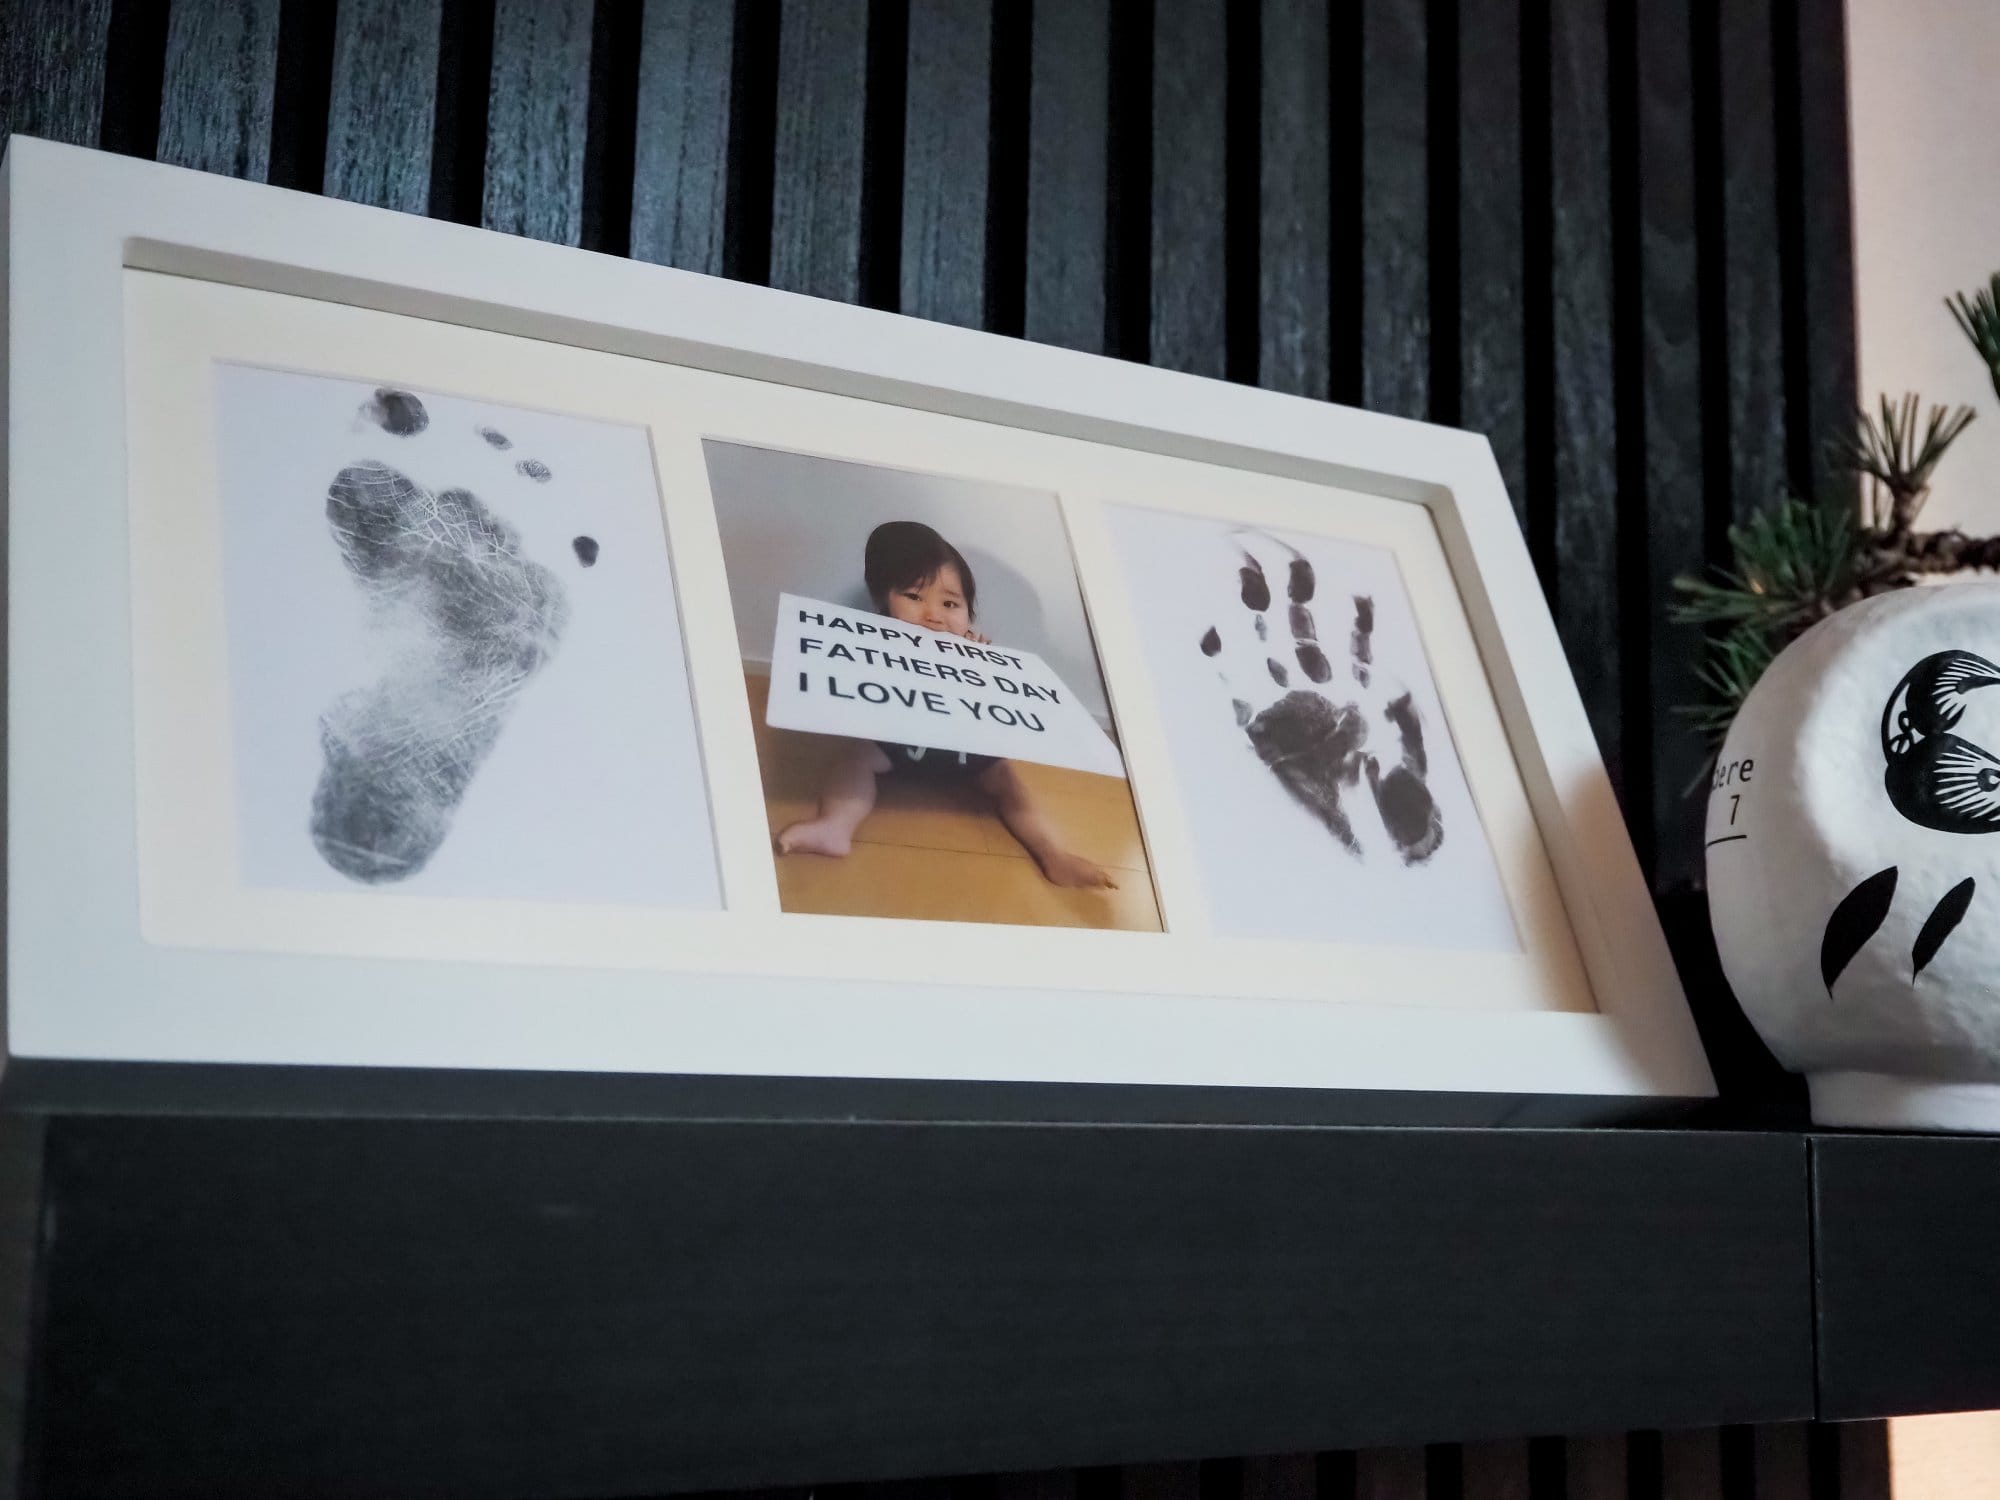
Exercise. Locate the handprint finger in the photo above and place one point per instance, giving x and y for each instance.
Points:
(1256, 587)
(1305, 634)
(1402, 796)
(1211, 647)
(1361, 644)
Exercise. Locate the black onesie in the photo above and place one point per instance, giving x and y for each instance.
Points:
(937, 764)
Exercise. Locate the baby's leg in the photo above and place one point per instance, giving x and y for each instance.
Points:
(846, 796)
(1028, 823)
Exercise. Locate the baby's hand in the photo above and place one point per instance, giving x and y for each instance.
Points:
(977, 639)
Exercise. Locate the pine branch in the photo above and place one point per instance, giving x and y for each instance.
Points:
(1733, 665)
(1889, 452)
(1794, 563)
(1797, 563)
(1950, 552)
(1979, 316)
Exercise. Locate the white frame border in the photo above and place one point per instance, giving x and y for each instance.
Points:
(82, 985)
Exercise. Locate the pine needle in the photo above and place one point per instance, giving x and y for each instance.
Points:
(1890, 451)
(1794, 565)
(1790, 561)
(1979, 316)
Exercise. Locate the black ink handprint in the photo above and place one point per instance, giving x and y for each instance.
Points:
(1316, 744)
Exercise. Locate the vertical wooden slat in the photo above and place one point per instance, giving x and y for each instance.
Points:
(1827, 213)
(1036, 1484)
(1390, 1474)
(1494, 1471)
(537, 117)
(1585, 471)
(1864, 1461)
(1671, 364)
(135, 57)
(1069, 115)
(680, 175)
(1395, 209)
(52, 69)
(1752, 273)
(21, 1141)
(382, 112)
(1173, 1481)
(1288, 1476)
(1294, 328)
(947, 110)
(1492, 338)
(1783, 1469)
(1190, 183)
(904, 1489)
(215, 96)
(816, 181)
(1596, 1468)
(1691, 1465)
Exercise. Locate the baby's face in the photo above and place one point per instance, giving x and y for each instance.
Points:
(936, 605)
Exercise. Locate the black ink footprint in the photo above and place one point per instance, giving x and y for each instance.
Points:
(586, 550)
(1315, 745)
(467, 622)
(398, 413)
(496, 438)
(534, 469)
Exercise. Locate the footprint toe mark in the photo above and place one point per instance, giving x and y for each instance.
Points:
(398, 413)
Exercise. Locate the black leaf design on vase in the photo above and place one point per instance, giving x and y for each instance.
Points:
(1854, 921)
(1939, 925)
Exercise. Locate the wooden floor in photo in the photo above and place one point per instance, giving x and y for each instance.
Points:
(938, 851)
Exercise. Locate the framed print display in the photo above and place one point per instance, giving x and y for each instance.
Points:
(439, 650)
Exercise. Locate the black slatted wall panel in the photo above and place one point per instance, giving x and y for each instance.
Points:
(1613, 238)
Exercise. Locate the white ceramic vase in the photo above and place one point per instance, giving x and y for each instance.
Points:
(1854, 860)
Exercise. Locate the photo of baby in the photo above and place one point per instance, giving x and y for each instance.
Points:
(929, 633)
(917, 577)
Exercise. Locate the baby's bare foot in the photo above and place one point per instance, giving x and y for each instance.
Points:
(1074, 871)
(815, 837)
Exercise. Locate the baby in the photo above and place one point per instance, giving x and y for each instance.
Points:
(917, 577)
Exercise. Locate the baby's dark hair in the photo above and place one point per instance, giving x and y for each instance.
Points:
(909, 554)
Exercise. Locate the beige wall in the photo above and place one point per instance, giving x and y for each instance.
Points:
(1945, 1458)
(1924, 89)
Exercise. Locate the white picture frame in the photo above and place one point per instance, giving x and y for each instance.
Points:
(96, 974)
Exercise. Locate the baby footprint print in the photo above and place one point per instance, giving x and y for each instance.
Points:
(461, 619)
(1315, 737)
(468, 622)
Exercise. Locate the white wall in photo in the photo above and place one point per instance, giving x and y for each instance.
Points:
(794, 523)
(1317, 774)
(456, 666)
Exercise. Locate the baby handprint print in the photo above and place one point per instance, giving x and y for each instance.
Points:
(1323, 791)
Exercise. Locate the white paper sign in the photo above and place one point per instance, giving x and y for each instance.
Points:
(865, 676)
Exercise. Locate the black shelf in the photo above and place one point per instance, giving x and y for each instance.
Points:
(258, 1305)
(1907, 1239)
